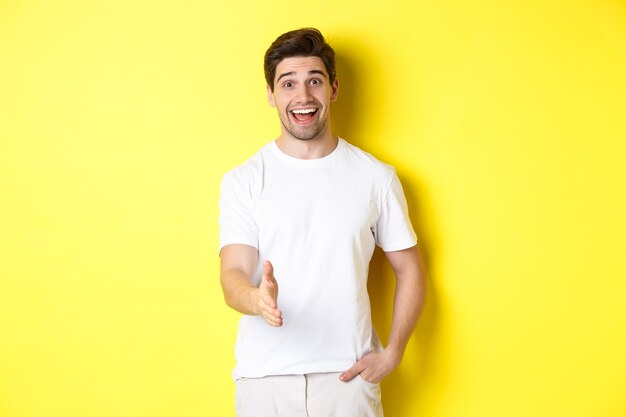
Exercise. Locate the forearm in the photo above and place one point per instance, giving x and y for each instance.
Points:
(237, 268)
(409, 299)
(239, 291)
(408, 302)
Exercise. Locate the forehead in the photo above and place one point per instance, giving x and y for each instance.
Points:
(300, 65)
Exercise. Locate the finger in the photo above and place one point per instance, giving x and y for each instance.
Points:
(268, 301)
(352, 372)
(269, 282)
(272, 311)
(272, 319)
(268, 269)
(268, 305)
(275, 322)
(372, 379)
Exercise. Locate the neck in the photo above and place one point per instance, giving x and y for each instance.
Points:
(318, 147)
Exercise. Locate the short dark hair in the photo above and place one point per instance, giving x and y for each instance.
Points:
(300, 42)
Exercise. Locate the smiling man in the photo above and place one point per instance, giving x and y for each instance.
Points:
(299, 221)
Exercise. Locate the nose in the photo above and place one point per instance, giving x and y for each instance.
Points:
(304, 93)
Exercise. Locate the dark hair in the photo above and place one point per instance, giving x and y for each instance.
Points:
(300, 42)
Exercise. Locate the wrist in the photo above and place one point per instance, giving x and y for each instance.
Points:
(395, 351)
(252, 300)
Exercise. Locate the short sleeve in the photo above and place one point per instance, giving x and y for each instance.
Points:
(236, 217)
(393, 228)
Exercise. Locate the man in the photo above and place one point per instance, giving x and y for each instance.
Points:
(298, 225)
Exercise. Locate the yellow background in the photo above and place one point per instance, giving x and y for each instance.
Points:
(506, 122)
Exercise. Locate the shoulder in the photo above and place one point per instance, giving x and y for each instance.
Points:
(248, 171)
(246, 180)
(368, 163)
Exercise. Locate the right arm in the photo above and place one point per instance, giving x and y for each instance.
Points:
(238, 263)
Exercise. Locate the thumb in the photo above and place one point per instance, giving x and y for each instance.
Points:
(351, 373)
(268, 270)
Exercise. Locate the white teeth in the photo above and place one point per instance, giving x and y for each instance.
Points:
(303, 111)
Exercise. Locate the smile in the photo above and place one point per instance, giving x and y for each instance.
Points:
(304, 115)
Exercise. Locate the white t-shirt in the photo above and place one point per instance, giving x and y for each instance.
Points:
(317, 221)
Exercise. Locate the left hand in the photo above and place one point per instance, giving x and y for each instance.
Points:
(373, 367)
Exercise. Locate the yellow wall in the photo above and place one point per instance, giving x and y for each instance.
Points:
(506, 122)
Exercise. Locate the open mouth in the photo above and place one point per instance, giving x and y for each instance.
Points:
(304, 115)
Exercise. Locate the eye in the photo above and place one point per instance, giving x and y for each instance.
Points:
(288, 84)
(315, 81)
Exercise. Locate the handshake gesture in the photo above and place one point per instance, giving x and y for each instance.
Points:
(267, 297)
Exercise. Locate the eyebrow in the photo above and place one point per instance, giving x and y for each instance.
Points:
(288, 74)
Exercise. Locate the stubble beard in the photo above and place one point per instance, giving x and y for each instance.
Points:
(303, 133)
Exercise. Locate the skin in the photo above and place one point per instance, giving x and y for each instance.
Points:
(237, 267)
(302, 82)
(408, 301)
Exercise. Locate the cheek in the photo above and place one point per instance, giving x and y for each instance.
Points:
(283, 104)
(324, 97)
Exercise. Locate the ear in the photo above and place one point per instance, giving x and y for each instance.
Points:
(334, 89)
(270, 97)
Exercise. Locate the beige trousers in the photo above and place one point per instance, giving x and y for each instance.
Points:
(311, 395)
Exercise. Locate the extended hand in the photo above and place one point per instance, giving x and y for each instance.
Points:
(267, 297)
(373, 367)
